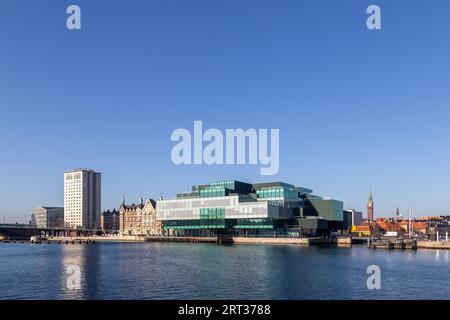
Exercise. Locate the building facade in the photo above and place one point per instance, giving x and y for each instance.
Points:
(238, 208)
(139, 219)
(48, 217)
(352, 218)
(370, 207)
(82, 199)
(110, 221)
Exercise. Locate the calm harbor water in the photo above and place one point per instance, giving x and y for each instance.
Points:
(208, 271)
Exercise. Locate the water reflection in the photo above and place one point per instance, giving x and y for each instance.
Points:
(79, 260)
(203, 271)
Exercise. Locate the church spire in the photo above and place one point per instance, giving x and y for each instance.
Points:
(370, 207)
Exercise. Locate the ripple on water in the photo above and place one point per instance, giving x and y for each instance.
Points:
(206, 271)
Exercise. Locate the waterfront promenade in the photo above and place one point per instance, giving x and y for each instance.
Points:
(218, 240)
(340, 241)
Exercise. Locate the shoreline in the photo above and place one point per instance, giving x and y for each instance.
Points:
(215, 240)
(302, 242)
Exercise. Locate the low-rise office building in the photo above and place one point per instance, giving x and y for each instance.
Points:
(351, 218)
(238, 208)
(48, 217)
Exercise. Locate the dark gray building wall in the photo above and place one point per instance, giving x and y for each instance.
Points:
(328, 209)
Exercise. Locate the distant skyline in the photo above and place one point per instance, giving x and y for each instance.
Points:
(358, 110)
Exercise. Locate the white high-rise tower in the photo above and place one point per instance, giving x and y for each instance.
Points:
(82, 198)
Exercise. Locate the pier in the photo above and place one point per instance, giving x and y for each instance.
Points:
(183, 239)
(399, 244)
(377, 243)
(25, 232)
(40, 240)
(424, 244)
(217, 240)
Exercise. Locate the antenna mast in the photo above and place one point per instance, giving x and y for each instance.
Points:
(410, 223)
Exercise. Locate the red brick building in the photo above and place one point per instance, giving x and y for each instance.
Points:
(110, 221)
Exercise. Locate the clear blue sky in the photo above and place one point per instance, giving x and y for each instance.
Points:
(356, 109)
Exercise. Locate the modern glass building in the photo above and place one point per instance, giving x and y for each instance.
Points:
(48, 217)
(238, 208)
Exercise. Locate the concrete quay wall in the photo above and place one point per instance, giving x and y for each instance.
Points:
(295, 241)
(232, 240)
(423, 244)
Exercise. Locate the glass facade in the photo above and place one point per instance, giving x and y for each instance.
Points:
(254, 224)
(224, 184)
(213, 192)
(195, 224)
(277, 193)
(232, 207)
(212, 213)
(328, 209)
(49, 217)
(191, 209)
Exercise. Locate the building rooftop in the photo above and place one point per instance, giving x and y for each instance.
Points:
(81, 169)
(110, 213)
(235, 187)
